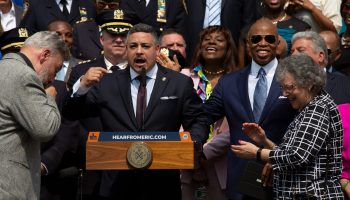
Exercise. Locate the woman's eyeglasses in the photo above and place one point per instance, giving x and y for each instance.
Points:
(255, 39)
(288, 88)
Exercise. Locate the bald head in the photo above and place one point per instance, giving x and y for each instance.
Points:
(262, 41)
(263, 23)
(333, 44)
(64, 30)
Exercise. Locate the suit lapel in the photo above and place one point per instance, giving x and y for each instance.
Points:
(330, 83)
(125, 92)
(271, 98)
(101, 60)
(72, 63)
(243, 90)
(223, 4)
(54, 9)
(18, 14)
(95, 37)
(74, 11)
(152, 7)
(1, 30)
(160, 84)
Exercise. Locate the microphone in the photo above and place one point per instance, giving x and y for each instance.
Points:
(143, 77)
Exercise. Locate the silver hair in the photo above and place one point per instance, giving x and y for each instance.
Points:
(318, 43)
(305, 71)
(145, 29)
(48, 40)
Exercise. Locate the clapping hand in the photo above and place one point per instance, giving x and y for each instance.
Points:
(255, 133)
(245, 150)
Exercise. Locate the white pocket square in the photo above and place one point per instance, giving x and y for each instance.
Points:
(282, 97)
(168, 97)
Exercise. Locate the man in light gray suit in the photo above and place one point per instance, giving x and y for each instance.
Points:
(28, 112)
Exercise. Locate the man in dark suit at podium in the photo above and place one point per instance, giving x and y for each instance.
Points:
(169, 101)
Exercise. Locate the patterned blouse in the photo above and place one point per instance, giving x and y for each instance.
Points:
(299, 162)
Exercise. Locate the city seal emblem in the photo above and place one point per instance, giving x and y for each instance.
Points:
(139, 155)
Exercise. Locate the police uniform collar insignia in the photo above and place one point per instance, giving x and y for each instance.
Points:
(118, 14)
(83, 14)
(161, 12)
(22, 32)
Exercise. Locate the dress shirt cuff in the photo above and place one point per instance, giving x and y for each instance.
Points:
(79, 90)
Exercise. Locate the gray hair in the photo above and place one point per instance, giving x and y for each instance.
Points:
(145, 29)
(48, 40)
(318, 43)
(305, 71)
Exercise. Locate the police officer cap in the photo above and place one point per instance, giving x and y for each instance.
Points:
(13, 40)
(114, 22)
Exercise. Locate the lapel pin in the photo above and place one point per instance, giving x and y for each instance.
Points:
(164, 79)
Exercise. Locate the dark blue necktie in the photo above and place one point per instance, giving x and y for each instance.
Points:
(260, 94)
(64, 10)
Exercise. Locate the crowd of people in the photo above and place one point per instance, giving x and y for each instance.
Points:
(257, 83)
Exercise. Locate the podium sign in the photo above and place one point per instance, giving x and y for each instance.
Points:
(139, 150)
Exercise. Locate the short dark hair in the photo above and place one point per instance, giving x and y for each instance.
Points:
(169, 32)
(58, 21)
(145, 29)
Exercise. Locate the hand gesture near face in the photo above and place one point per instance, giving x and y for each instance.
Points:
(165, 61)
(306, 4)
(92, 76)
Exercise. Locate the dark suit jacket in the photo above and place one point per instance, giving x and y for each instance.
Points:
(111, 100)
(230, 98)
(93, 123)
(235, 14)
(175, 14)
(72, 63)
(338, 87)
(63, 155)
(86, 40)
(42, 12)
(18, 15)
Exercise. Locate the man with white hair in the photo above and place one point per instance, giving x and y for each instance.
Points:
(313, 45)
(29, 114)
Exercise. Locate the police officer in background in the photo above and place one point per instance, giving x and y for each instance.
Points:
(114, 27)
(86, 34)
(13, 40)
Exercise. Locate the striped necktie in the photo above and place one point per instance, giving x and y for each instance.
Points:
(214, 12)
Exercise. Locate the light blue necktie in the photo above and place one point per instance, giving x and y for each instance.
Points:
(260, 94)
(214, 12)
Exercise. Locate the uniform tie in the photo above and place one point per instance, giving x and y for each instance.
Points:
(114, 68)
(64, 10)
